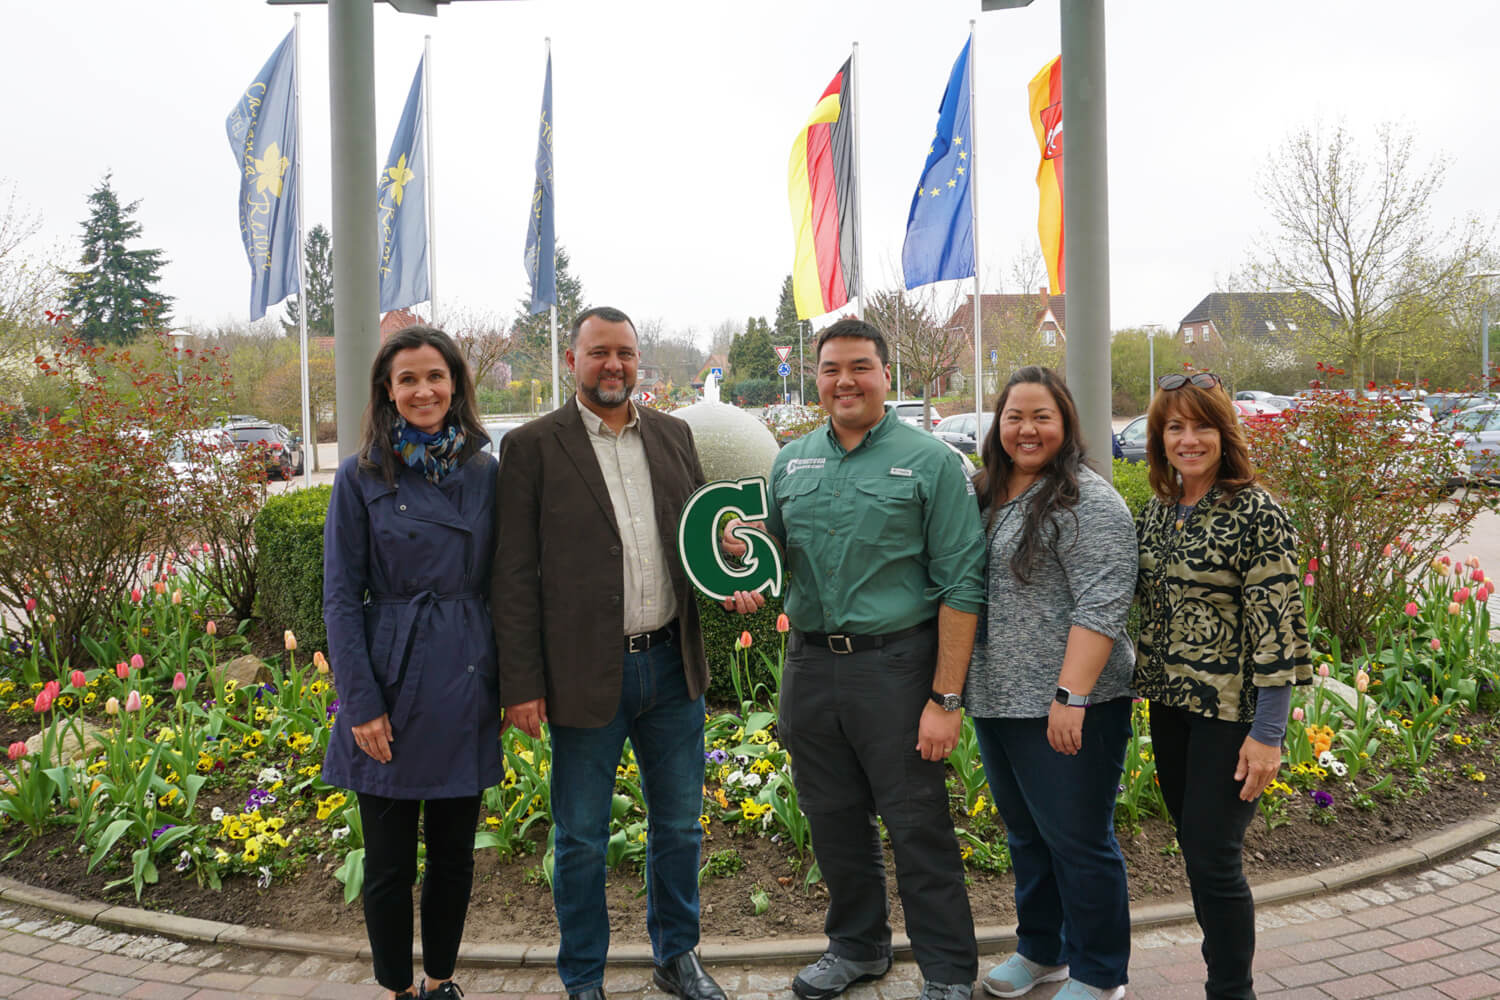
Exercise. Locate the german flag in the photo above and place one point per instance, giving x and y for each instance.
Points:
(822, 185)
(1045, 92)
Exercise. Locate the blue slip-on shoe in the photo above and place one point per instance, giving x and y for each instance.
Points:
(1016, 976)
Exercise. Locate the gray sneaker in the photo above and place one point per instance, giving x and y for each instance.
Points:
(946, 991)
(832, 974)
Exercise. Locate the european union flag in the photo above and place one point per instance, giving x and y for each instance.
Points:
(541, 238)
(263, 134)
(401, 215)
(940, 228)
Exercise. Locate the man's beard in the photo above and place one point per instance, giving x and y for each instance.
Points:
(609, 399)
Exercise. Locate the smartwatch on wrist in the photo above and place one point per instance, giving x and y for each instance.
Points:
(947, 702)
(1071, 700)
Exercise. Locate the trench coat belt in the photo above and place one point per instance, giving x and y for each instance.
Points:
(413, 606)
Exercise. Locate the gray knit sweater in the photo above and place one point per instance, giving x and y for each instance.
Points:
(1085, 576)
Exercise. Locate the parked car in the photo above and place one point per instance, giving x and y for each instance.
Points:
(1444, 403)
(910, 411)
(1252, 412)
(281, 449)
(497, 429)
(1253, 395)
(958, 430)
(1132, 440)
(1478, 431)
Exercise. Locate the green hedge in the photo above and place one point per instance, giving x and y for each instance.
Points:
(289, 545)
(721, 631)
(1132, 484)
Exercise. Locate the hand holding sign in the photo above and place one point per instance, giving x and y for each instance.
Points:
(702, 547)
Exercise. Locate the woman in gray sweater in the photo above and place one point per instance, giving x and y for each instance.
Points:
(1049, 689)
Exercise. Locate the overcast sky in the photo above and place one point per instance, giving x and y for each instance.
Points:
(674, 121)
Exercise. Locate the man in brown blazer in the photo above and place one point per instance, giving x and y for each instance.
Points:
(599, 638)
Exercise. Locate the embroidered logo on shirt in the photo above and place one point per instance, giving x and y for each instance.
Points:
(970, 484)
(806, 463)
(900, 472)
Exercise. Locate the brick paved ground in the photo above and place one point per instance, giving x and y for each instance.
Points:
(1434, 935)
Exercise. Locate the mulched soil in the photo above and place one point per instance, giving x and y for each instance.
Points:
(512, 903)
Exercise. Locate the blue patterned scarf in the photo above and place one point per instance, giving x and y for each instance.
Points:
(435, 454)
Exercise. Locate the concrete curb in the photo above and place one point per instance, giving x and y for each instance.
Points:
(1460, 838)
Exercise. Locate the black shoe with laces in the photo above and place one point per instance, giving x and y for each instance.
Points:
(448, 991)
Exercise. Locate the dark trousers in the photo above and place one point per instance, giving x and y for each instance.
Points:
(390, 827)
(1195, 761)
(849, 722)
(1072, 899)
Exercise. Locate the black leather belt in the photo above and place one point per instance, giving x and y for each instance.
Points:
(845, 642)
(642, 641)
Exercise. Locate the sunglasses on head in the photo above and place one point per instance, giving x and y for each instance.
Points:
(1176, 380)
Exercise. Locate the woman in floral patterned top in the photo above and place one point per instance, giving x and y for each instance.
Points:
(1223, 638)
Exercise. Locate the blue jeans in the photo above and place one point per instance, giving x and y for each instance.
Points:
(1072, 900)
(666, 729)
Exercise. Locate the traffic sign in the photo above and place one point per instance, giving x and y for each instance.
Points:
(783, 369)
(783, 352)
(646, 396)
(717, 373)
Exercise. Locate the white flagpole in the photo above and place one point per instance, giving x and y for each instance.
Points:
(432, 286)
(309, 433)
(552, 312)
(974, 225)
(859, 230)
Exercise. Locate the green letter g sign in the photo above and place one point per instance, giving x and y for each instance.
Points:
(698, 540)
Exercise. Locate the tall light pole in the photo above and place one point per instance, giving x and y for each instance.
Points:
(179, 338)
(1484, 325)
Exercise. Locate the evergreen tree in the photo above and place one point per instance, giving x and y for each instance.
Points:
(530, 335)
(114, 297)
(317, 279)
(797, 334)
(750, 353)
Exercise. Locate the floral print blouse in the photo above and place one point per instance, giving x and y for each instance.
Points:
(1220, 603)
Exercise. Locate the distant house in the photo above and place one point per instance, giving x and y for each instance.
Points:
(397, 319)
(714, 361)
(1273, 316)
(649, 378)
(1046, 314)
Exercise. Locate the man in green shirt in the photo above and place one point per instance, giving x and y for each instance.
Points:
(886, 555)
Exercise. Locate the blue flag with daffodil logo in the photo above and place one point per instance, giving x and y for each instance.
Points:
(401, 218)
(940, 227)
(262, 132)
(541, 237)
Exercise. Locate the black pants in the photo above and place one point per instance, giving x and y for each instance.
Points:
(850, 724)
(1195, 761)
(390, 827)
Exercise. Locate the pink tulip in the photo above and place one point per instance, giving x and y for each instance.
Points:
(30, 604)
(211, 627)
(1445, 560)
(133, 702)
(137, 661)
(1483, 592)
(1361, 681)
(289, 639)
(1312, 565)
(136, 595)
(206, 548)
(1388, 551)
(1453, 608)
(1323, 670)
(1435, 645)
(783, 624)
(16, 750)
(745, 640)
(1477, 575)
(43, 702)
(169, 571)
(1297, 714)
(150, 561)
(1359, 546)
(158, 588)
(177, 596)
(1307, 581)
(179, 681)
(320, 661)
(122, 670)
(53, 689)
(1411, 609)
(1324, 546)
(77, 679)
(1461, 594)
(1472, 562)
(1406, 549)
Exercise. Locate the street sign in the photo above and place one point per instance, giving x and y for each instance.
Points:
(717, 373)
(647, 397)
(783, 352)
(783, 369)
(994, 354)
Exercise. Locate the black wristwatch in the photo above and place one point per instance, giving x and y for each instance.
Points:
(947, 702)
(1068, 698)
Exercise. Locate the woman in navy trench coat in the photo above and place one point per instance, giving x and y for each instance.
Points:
(406, 574)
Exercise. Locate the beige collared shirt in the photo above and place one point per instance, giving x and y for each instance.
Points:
(649, 600)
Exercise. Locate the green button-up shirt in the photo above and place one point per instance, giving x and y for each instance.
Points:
(876, 538)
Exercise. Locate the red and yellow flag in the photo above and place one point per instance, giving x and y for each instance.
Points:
(821, 184)
(1045, 91)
